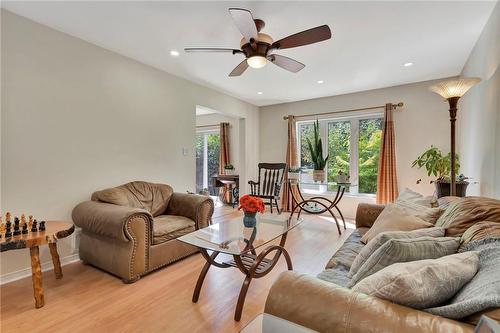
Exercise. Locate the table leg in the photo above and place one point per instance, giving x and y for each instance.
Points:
(36, 272)
(55, 260)
(241, 297)
(210, 261)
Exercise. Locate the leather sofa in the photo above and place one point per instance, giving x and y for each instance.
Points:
(327, 307)
(131, 230)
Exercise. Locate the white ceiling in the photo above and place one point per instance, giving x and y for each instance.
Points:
(371, 41)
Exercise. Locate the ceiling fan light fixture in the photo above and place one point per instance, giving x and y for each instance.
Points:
(257, 61)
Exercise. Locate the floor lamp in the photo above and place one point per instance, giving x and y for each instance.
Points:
(452, 90)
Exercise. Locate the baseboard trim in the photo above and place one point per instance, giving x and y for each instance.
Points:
(46, 266)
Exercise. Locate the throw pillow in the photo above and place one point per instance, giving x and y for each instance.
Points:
(425, 213)
(480, 230)
(423, 283)
(412, 196)
(405, 250)
(383, 237)
(394, 218)
(483, 291)
(464, 213)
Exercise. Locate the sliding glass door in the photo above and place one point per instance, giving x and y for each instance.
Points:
(207, 159)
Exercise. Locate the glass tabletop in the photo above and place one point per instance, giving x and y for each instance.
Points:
(232, 237)
(301, 182)
(266, 323)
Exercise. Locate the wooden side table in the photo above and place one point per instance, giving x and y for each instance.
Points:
(54, 230)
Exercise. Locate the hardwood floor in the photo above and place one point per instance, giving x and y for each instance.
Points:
(90, 300)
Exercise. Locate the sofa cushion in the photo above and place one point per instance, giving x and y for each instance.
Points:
(336, 275)
(483, 291)
(167, 227)
(461, 214)
(383, 237)
(394, 218)
(405, 250)
(347, 251)
(427, 214)
(480, 230)
(149, 196)
(412, 196)
(423, 283)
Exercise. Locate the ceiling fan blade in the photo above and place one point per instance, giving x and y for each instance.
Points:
(210, 49)
(305, 37)
(244, 22)
(286, 63)
(238, 70)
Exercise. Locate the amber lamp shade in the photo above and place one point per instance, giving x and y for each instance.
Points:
(452, 90)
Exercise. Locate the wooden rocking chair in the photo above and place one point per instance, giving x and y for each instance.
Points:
(268, 185)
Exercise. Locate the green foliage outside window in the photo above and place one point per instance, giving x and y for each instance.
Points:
(339, 150)
(213, 150)
(370, 133)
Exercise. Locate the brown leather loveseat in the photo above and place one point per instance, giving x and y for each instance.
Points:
(131, 229)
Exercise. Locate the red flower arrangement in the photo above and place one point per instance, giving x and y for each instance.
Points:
(251, 204)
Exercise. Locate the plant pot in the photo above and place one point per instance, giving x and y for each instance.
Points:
(229, 172)
(294, 177)
(443, 188)
(250, 219)
(319, 176)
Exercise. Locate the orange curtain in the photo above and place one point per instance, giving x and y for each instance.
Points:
(387, 182)
(292, 160)
(224, 156)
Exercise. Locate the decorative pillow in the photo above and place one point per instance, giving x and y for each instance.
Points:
(149, 196)
(480, 230)
(383, 237)
(405, 250)
(394, 218)
(412, 196)
(464, 213)
(423, 283)
(425, 213)
(483, 291)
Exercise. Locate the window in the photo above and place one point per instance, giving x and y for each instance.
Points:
(353, 145)
(207, 159)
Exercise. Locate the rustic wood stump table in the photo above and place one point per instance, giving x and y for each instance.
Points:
(54, 230)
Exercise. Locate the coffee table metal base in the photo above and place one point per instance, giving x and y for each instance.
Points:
(253, 266)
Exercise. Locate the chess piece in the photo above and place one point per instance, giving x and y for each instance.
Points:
(25, 228)
(23, 220)
(33, 226)
(8, 224)
(17, 230)
(42, 226)
(30, 223)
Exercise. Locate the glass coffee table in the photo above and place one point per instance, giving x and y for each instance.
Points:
(232, 238)
(266, 323)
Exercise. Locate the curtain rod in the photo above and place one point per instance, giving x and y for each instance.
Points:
(398, 105)
(214, 125)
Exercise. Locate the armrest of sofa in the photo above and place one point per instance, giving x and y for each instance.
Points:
(198, 208)
(326, 307)
(366, 214)
(111, 220)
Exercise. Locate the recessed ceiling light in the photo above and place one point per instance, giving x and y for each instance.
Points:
(174, 53)
(259, 93)
(320, 81)
(408, 64)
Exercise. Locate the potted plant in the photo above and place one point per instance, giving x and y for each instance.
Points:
(229, 169)
(439, 165)
(250, 206)
(294, 174)
(316, 149)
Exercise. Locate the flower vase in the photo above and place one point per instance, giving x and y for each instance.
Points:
(249, 220)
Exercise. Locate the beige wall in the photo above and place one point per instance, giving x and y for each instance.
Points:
(479, 112)
(423, 121)
(77, 118)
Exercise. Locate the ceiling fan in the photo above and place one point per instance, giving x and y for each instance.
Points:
(257, 47)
